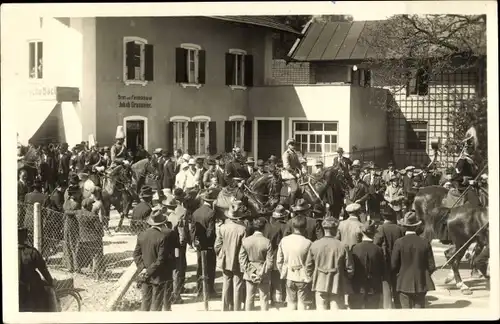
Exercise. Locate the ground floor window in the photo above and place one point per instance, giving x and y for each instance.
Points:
(316, 137)
(180, 131)
(201, 135)
(237, 132)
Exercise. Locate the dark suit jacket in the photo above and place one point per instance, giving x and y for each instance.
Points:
(155, 252)
(275, 231)
(168, 174)
(369, 268)
(312, 232)
(203, 229)
(359, 192)
(413, 261)
(386, 236)
(141, 211)
(346, 161)
(64, 163)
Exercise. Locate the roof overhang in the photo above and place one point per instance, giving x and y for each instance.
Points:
(262, 21)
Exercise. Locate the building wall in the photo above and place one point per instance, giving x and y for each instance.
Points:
(291, 73)
(213, 99)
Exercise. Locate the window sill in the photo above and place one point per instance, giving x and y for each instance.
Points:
(237, 87)
(190, 85)
(135, 82)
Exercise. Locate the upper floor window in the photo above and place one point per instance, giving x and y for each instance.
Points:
(35, 59)
(239, 69)
(190, 65)
(138, 61)
(316, 136)
(418, 83)
(416, 135)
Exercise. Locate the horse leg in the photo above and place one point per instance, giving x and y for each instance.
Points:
(455, 267)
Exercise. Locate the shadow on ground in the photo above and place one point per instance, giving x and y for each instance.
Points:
(455, 304)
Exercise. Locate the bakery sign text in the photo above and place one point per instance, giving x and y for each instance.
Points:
(133, 101)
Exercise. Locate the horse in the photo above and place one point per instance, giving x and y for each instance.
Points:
(142, 171)
(461, 226)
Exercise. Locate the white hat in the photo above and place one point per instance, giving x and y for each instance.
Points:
(120, 134)
(484, 176)
(352, 208)
(91, 140)
(157, 151)
(192, 162)
(184, 165)
(410, 168)
(356, 163)
(186, 157)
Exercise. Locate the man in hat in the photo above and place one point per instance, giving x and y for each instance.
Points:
(203, 236)
(319, 166)
(260, 170)
(413, 260)
(79, 159)
(359, 193)
(408, 180)
(394, 196)
(329, 284)
(376, 190)
(64, 161)
(369, 271)
(342, 162)
(249, 166)
(227, 248)
(234, 169)
(119, 152)
(425, 178)
(220, 171)
(179, 223)
(312, 230)
(158, 160)
(56, 199)
(291, 169)
(35, 196)
(141, 153)
(168, 172)
(210, 177)
(349, 231)
(388, 173)
(200, 168)
(291, 261)
(272, 162)
(142, 210)
(106, 157)
(256, 261)
(303, 166)
(70, 229)
(386, 236)
(154, 255)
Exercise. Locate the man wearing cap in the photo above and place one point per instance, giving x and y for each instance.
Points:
(319, 166)
(413, 260)
(154, 255)
(203, 236)
(465, 168)
(312, 230)
(291, 261)
(369, 271)
(259, 170)
(249, 166)
(291, 169)
(168, 173)
(142, 210)
(227, 248)
(349, 231)
(329, 264)
(359, 193)
(408, 180)
(192, 176)
(256, 261)
(388, 173)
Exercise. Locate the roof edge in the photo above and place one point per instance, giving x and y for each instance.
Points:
(284, 27)
(298, 40)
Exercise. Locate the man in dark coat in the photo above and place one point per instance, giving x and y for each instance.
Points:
(89, 249)
(36, 196)
(275, 231)
(221, 179)
(376, 190)
(168, 173)
(141, 153)
(160, 161)
(313, 230)
(203, 236)
(142, 210)
(342, 162)
(369, 271)
(359, 193)
(72, 205)
(426, 179)
(386, 236)
(154, 255)
(413, 261)
(64, 162)
(22, 185)
(234, 168)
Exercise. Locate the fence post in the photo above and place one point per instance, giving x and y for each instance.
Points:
(204, 276)
(37, 227)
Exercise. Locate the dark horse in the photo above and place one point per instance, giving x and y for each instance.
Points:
(142, 172)
(461, 225)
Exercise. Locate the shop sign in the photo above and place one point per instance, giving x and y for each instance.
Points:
(42, 92)
(133, 101)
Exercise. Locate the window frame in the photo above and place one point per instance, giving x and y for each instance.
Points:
(239, 119)
(185, 120)
(410, 127)
(142, 42)
(236, 52)
(199, 120)
(323, 133)
(36, 78)
(421, 77)
(142, 118)
(197, 48)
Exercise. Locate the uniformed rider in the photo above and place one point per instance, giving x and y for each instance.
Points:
(119, 152)
(291, 169)
(234, 168)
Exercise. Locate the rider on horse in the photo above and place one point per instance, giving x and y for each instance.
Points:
(291, 169)
(234, 169)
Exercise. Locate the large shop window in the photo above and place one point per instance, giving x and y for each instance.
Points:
(416, 135)
(138, 61)
(190, 65)
(196, 136)
(239, 69)
(35, 59)
(418, 83)
(316, 137)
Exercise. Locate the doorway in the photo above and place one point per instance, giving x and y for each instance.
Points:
(134, 130)
(269, 137)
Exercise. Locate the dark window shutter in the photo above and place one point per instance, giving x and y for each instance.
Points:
(191, 138)
(129, 60)
(170, 139)
(148, 62)
(230, 66)
(181, 65)
(248, 136)
(212, 138)
(228, 139)
(249, 70)
(201, 67)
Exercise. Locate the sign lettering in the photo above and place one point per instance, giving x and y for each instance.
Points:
(135, 101)
(42, 93)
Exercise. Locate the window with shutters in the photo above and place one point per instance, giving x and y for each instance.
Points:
(239, 68)
(201, 135)
(35, 49)
(190, 65)
(418, 84)
(180, 132)
(137, 61)
(237, 130)
(416, 136)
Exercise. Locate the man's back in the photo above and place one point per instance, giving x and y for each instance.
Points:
(349, 231)
(292, 255)
(204, 226)
(228, 245)
(141, 211)
(154, 252)
(369, 267)
(386, 236)
(256, 246)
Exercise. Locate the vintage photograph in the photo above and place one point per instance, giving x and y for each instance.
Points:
(252, 162)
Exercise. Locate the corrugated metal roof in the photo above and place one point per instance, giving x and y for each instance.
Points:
(264, 21)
